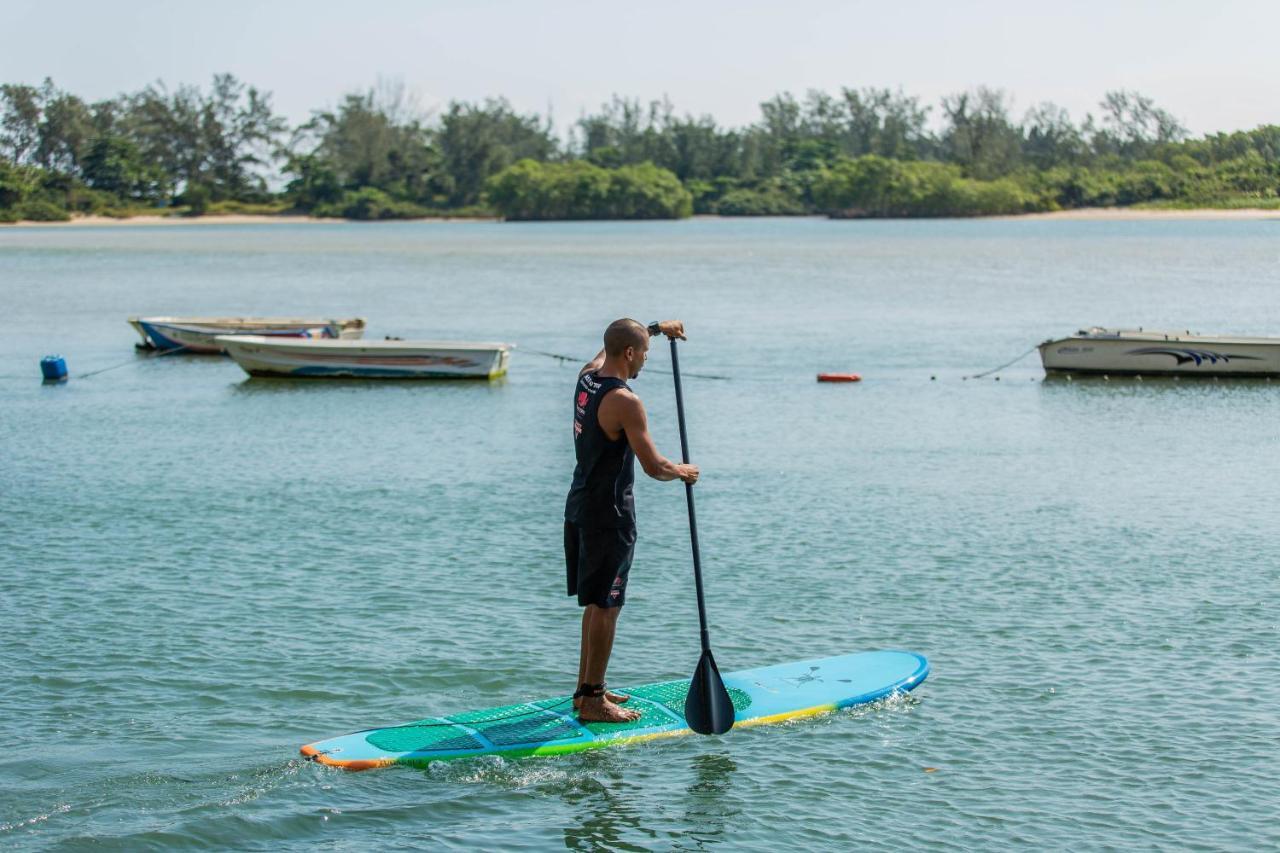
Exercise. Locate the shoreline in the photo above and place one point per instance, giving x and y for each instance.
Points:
(1088, 214)
(93, 221)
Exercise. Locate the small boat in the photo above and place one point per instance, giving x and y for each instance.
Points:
(389, 359)
(1144, 352)
(196, 334)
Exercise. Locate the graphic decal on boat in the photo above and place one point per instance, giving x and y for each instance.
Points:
(1199, 356)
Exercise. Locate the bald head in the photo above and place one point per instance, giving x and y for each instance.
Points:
(622, 334)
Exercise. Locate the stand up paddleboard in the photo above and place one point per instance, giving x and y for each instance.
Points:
(768, 695)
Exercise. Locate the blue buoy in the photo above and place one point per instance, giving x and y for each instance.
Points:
(53, 368)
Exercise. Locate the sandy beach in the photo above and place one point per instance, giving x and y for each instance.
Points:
(1133, 214)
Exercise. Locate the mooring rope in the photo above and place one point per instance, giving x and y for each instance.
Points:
(572, 359)
(135, 360)
(1003, 366)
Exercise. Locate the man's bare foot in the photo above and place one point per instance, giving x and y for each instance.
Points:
(598, 709)
(615, 698)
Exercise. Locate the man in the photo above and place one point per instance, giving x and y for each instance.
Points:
(610, 431)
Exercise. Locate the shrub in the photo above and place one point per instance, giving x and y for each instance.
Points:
(369, 204)
(755, 202)
(196, 198)
(581, 190)
(16, 183)
(41, 211)
(873, 186)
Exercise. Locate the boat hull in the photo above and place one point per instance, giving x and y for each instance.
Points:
(1161, 354)
(303, 359)
(197, 334)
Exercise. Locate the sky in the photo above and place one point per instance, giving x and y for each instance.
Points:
(1214, 65)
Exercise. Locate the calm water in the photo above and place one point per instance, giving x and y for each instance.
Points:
(200, 572)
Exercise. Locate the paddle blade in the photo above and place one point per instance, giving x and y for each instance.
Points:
(708, 708)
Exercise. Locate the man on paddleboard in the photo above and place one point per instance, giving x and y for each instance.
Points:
(610, 431)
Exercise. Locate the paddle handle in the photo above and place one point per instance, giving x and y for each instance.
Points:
(688, 492)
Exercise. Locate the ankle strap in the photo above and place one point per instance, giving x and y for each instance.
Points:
(591, 690)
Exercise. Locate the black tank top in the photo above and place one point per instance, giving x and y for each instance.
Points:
(602, 481)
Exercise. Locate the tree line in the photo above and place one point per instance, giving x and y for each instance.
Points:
(861, 152)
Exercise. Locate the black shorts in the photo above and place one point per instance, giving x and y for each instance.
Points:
(598, 560)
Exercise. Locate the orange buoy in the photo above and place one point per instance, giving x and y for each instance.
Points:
(839, 377)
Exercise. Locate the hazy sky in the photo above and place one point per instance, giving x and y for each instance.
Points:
(1215, 65)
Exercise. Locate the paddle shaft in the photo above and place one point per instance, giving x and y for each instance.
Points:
(688, 491)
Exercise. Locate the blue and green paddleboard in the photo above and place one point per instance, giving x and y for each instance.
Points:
(767, 695)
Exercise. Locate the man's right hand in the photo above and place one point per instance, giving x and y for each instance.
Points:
(688, 473)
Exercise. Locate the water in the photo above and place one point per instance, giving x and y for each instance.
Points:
(200, 572)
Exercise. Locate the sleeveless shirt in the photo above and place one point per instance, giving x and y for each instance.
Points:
(605, 474)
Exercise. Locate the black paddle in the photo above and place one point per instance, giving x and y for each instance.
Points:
(707, 708)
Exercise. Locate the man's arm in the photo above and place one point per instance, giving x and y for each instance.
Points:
(631, 417)
(594, 364)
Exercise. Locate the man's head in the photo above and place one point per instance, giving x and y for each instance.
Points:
(627, 342)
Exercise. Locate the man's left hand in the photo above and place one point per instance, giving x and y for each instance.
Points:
(672, 329)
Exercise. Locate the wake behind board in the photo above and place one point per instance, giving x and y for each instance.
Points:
(548, 727)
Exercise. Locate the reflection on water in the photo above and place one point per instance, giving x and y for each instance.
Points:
(707, 809)
(268, 385)
(608, 812)
(1099, 388)
(1158, 381)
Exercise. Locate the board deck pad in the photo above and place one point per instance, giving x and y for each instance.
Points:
(548, 727)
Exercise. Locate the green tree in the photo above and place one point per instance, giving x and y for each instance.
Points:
(315, 182)
(477, 141)
(1050, 138)
(114, 165)
(880, 121)
(241, 133)
(373, 139)
(220, 141)
(1132, 126)
(980, 137)
(20, 111)
(778, 133)
(66, 128)
(627, 132)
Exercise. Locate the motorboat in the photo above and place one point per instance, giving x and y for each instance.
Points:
(196, 334)
(260, 355)
(1147, 352)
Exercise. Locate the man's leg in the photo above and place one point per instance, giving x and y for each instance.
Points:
(587, 614)
(586, 644)
(599, 625)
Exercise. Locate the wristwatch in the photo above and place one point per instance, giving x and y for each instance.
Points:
(655, 329)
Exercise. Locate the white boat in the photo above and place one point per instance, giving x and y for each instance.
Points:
(389, 359)
(1144, 352)
(196, 334)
